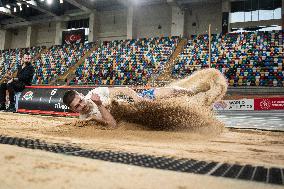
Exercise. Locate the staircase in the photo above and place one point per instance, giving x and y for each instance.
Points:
(70, 74)
(166, 75)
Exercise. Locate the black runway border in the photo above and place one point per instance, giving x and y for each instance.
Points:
(272, 175)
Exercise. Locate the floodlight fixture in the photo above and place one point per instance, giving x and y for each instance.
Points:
(49, 2)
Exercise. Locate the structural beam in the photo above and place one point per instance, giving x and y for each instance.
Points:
(38, 7)
(8, 12)
(93, 30)
(226, 9)
(282, 14)
(171, 2)
(12, 23)
(175, 3)
(81, 5)
(177, 27)
(3, 39)
(195, 1)
(125, 3)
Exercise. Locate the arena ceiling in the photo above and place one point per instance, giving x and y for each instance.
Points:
(14, 13)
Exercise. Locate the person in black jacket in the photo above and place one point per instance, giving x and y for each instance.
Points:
(17, 84)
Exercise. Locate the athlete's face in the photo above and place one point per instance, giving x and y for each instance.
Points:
(79, 104)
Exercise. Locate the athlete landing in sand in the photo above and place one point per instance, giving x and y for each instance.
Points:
(96, 103)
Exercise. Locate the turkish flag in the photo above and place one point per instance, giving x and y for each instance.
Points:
(73, 36)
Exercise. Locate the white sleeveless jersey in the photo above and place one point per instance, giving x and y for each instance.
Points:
(103, 93)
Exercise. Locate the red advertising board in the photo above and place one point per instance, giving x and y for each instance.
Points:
(269, 104)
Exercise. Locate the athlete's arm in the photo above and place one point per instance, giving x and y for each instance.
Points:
(107, 117)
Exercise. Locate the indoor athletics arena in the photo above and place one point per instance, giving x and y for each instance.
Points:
(127, 94)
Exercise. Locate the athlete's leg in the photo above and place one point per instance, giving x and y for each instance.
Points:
(158, 93)
(201, 81)
(209, 80)
(166, 92)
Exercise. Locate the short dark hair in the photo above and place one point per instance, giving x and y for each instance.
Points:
(69, 97)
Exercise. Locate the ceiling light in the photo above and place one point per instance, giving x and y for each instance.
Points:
(28, 6)
(61, 1)
(8, 6)
(49, 2)
(19, 4)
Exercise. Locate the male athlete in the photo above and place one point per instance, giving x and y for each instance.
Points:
(96, 103)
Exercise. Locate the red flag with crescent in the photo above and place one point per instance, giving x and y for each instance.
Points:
(73, 36)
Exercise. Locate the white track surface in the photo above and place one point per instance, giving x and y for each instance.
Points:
(264, 120)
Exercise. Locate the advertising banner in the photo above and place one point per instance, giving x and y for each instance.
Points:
(242, 104)
(47, 98)
(269, 104)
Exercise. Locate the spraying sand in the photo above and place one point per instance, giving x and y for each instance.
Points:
(166, 115)
(186, 112)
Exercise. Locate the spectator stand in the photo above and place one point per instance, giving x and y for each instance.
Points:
(125, 62)
(57, 60)
(246, 59)
(69, 75)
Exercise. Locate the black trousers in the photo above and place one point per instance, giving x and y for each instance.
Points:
(15, 86)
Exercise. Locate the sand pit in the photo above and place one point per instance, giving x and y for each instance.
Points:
(231, 145)
(48, 170)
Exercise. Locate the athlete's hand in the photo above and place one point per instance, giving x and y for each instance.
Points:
(96, 99)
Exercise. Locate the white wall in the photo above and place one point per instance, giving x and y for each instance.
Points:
(45, 34)
(177, 25)
(8, 39)
(2, 39)
(203, 14)
(111, 25)
(18, 38)
(148, 18)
